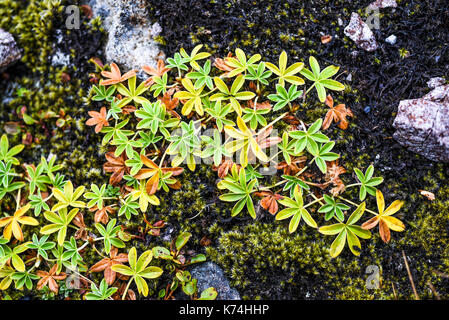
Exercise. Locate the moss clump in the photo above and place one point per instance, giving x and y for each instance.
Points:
(265, 261)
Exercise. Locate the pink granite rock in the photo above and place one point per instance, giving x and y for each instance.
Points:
(360, 33)
(422, 125)
(383, 4)
(9, 52)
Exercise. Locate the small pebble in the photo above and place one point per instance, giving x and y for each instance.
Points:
(391, 39)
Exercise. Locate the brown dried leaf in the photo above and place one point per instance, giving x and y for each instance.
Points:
(98, 119)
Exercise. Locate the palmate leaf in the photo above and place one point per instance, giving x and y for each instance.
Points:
(60, 223)
(295, 211)
(309, 139)
(191, 98)
(110, 235)
(258, 73)
(202, 77)
(347, 232)
(284, 97)
(131, 93)
(245, 140)
(240, 63)
(240, 192)
(321, 78)
(138, 269)
(284, 73)
(367, 182)
(194, 56)
(384, 218)
(324, 154)
(7, 154)
(68, 197)
(234, 94)
(100, 293)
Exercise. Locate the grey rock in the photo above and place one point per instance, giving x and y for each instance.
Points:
(359, 32)
(391, 39)
(435, 82)
(9, 52)
(130, 32)
(211, 275)
(383, 4)
(422, 125)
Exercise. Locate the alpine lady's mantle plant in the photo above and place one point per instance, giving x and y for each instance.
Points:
(235, 97)
(152, 129)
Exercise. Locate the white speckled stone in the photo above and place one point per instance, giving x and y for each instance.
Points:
(423, 124)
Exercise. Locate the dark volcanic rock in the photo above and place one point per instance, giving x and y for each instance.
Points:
(360, 33)
(423, 124)
(211, 275)
(9, 52)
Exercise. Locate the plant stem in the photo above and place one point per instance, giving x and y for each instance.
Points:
(126, 289)
(313, 202)
(355, 204)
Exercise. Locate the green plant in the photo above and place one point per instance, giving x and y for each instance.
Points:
(100, 293)
(347, 232)
(240, 191)
(295, 211)
(138, 270)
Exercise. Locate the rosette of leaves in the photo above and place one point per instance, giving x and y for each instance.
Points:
(295, 211)
(245, 139)
(215, 148)
(333, 208)
(239, 191)
(192, 98)
(131, 93)
(100, 293)
(284, 97)
(321, 79)
(184, 145)
(110, 235)
(309, 138)
(284, 73)
(367, 182)
(202, 77)
(384, 218)
(60, 223)
(219, 112)
(234, 95)
(153, 117)
(347, 232)
(240, 64)
(138, 270)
